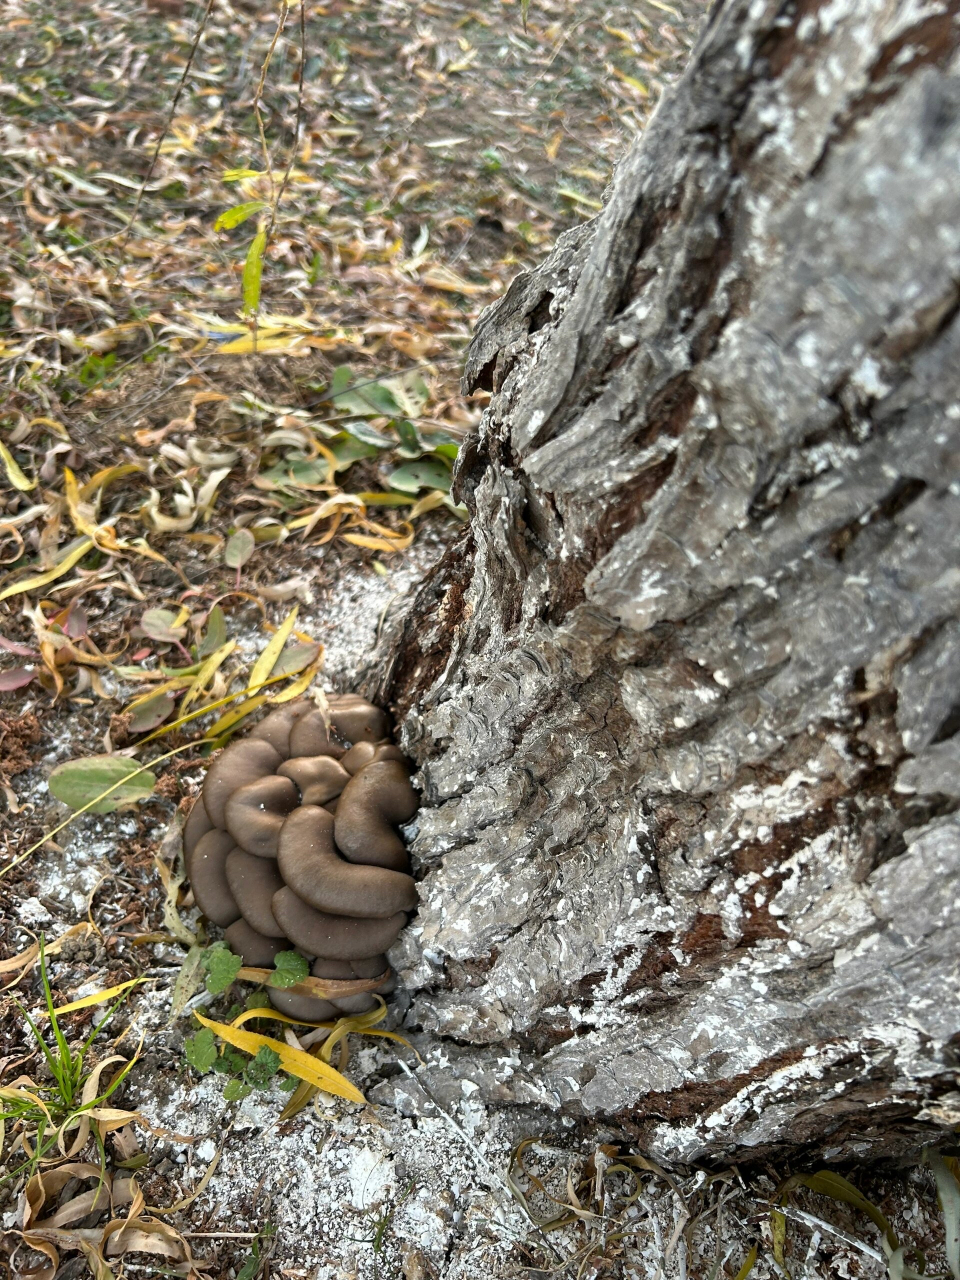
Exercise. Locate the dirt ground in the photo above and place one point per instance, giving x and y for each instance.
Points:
(165, 451)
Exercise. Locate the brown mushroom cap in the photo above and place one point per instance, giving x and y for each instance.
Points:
(206, 868)
(310, 737)
(363, 753)
(252, 947)
(275, 728)
(255, 812)
(197, 824)
(372, 801)
(334, 937)
(253, 882)
(357, 720)
(242, 762)
(304, 1008)
(310, 865)
(319, 778)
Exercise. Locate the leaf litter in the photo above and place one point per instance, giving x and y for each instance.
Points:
(230, 358)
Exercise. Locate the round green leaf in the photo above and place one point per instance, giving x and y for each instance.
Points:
(425, 473)
(240, 547)
(159, 624)
(77, 782)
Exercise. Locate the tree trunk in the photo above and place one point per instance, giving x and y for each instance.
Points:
(684, 696)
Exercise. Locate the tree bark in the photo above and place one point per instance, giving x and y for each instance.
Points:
(684, 697)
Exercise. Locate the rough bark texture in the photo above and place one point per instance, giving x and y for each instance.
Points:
(685, 697)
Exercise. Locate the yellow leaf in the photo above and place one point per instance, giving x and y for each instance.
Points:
(268, 659)
(44, 579)
(429, 501)
(234, 716)
(53, 424)
(14, 474)
(253, 271)
(295, 1062)
(633, 82)
(274, 1015)
(441, 277)
(290, 345)
(748, 1264)
(98, 997)
(71, 491)
(205, 673)
(101, 479)
(302, 683)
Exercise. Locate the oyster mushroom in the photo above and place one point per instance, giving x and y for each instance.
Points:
(253, 882)
(206, 868)
(303, 1008)
(309, 863)
(197, 824)
(372, 802)
(311, 737)
(255, 813)
(363, 753)
(333, 937)
(253, 948)
(357, 720)
(277, 726)
(242, 762)
(318, 778)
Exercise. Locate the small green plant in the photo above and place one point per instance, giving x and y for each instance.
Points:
(95, 370)
(41, 1116)
(222, 967)
(246, 1074)
(255, 1259)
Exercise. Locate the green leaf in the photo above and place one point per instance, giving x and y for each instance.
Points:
(161, 625)
(369, 435)
(296, 471)
(222, 967)
(200, 1050)
(255, 1000)
(410, 443)
(447, 451)
(252, 1265)
(231, 218)
(426, 473)
(342, 377)
(290, 968)
(240, 547)
(237, 175)
(215, 634)
(77, 782)
(288, 1084)
(230, 1063)
(253, 272)
(152, 712)
(347, 451)
(236, 1091)
(261, 1070)
(296, 658)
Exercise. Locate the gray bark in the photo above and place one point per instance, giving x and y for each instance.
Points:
(684, 698)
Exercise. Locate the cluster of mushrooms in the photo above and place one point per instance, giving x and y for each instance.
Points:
(292, 844)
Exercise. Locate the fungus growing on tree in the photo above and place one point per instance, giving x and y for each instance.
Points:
(292, 844)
